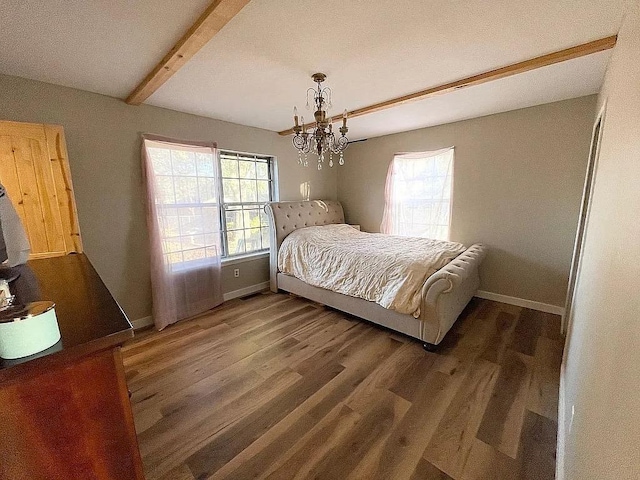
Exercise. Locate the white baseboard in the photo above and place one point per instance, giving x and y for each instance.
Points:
(245, 291)
(142, 322)
(521, 302)
(146, 321)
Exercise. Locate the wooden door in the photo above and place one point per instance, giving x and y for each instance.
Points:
(34, 169)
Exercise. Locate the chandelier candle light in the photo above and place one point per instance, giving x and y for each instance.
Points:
(319, 139)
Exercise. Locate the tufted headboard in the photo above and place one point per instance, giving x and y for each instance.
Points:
(285, 217)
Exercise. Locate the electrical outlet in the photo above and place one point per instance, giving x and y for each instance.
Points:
(236, 272)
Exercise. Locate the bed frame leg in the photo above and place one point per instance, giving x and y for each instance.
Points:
(429, 347)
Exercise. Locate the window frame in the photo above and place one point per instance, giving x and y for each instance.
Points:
(227, 258)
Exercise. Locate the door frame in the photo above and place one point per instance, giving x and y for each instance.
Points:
(583, 218)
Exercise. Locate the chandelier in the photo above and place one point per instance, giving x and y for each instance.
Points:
(319, 139)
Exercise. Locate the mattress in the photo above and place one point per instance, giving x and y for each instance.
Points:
(385, 269)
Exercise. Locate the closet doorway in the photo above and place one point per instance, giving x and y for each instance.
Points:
(587, 193)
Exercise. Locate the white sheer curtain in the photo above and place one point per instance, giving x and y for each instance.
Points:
(418, 194)
(183, 218)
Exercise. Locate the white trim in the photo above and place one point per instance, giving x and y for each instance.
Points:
(560, 447)
(142, 322)
(245, 291)
(567, 319)
(583, 217)
(244, 258)
(521, 302)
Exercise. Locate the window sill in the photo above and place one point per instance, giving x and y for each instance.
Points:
(243, 258)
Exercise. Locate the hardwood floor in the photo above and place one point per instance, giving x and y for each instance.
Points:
(275, 386)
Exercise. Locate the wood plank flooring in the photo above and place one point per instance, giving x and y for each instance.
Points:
(276, 387)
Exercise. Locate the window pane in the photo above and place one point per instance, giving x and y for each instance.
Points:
(262, 171)
(263, 191)
(446, 193)
(161, 160)
(249, 191)
(235, 241)
(204, 164)
(442, 217)
(229, 168)
(247, 169)
(234, 219)
(190, 223)
(207, 190)
(174, 258)
(211, 240)
(189, 242)
(265, 238)
(252, 239)
(170, 226)
(251, 218)
(186, 189)
(210, 219)
(231, 190)
(263, 219)
(442, 168)
(172, 245)
(197, 254)
(184, 163)
(165, 189)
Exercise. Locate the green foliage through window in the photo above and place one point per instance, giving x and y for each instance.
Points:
(247, 185)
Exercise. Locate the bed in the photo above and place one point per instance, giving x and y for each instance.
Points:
(443, 296)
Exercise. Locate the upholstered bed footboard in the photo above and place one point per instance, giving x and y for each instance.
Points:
(448, 291)
(444, 294)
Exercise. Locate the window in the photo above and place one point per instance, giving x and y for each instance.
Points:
(247, 184)
(210, 204)
(418, 195)
(186, 202)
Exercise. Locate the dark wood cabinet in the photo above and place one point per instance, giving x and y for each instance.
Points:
(65, 413)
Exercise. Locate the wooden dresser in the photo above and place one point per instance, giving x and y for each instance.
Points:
(65, 412)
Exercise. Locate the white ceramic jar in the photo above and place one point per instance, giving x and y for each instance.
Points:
(27, 329)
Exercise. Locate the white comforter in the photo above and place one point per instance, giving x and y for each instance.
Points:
(385, 269)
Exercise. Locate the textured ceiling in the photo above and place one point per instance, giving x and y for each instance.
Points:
(103, 46)
(259, 65)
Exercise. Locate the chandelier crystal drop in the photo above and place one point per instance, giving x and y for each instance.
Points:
(320, 138)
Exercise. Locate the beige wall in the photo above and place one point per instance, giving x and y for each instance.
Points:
(601, 372)
(517, 186)
(103, 137)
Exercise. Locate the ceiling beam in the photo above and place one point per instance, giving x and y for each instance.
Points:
(216, 16)
(504, 72)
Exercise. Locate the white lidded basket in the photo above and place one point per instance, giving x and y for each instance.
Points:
(27, 329)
